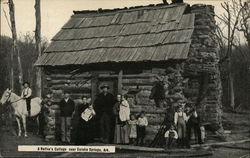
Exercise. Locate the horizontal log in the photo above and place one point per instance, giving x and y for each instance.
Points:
(155, 121)
(72, 89)
(148, 109)
(69, 81)
(138, 81)
(222, 143)
(144, 101)
(63, 76)
(233, 147)
(166, 153)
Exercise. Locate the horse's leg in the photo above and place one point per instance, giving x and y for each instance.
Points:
(24, 125)
(38, 124)
(19, 126)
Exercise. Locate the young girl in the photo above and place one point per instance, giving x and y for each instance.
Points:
(133, 132)
(171, 137)
(141, 128)
(180, 119)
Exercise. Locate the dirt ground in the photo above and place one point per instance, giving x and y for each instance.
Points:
(238, 124)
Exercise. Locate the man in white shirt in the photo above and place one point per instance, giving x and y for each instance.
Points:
(26, 94)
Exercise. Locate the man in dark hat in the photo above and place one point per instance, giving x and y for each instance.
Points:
(103, 107)
(26, 94)
(193, 122)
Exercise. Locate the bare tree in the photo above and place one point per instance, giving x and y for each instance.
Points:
(38, 46)
(11, 58)
(244, 23)
(227, 35)
(14, 38)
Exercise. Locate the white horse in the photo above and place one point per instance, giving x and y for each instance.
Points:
(20, 108)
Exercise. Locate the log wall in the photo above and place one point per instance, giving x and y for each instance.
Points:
(80, 84)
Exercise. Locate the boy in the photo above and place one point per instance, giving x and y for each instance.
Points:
(171, 137)
(26, 94)
(141, 128)
(67, 107)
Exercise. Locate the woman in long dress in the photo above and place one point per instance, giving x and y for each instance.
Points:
(121, 112)
(84, 132)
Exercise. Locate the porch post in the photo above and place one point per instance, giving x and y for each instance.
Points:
(94, 87)
(119, 87)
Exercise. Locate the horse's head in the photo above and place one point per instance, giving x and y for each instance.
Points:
(6, 96)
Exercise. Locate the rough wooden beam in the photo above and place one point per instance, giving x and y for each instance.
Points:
(94, 81)
(234, 147)
(119, 87)
(222, 143)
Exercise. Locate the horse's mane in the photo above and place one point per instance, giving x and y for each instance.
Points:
(15, 95)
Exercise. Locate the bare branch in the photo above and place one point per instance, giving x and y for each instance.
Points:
(5, 15)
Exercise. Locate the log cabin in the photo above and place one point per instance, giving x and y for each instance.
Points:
(131, 49)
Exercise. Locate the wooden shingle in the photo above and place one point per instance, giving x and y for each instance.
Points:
(150, 33)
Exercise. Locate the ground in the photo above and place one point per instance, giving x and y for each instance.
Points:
(238, 124)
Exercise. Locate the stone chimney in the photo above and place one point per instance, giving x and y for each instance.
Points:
(204, 61)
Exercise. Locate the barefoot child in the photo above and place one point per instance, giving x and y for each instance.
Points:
(171, 137)
(133, 132)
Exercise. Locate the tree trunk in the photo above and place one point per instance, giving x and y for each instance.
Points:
(231, 84)
(38, 47)
(12, 69)
(14, 38)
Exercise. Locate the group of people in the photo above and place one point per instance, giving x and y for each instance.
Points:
(129, 128)
(107, 118)
(179, 133)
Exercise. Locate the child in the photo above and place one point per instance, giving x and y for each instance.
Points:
(180, 119)
(171, 137)
(124, 112)
(26, 94)
(88, 113)
(133, 131)
(141, 128)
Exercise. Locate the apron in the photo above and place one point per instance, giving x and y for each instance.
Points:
(181, 126)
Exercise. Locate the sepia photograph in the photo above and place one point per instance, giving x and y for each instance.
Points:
(125, 78)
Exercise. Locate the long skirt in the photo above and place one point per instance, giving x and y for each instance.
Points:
(121, 133)
(84, 132)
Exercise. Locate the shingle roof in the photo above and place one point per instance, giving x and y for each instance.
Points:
(151, 33)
